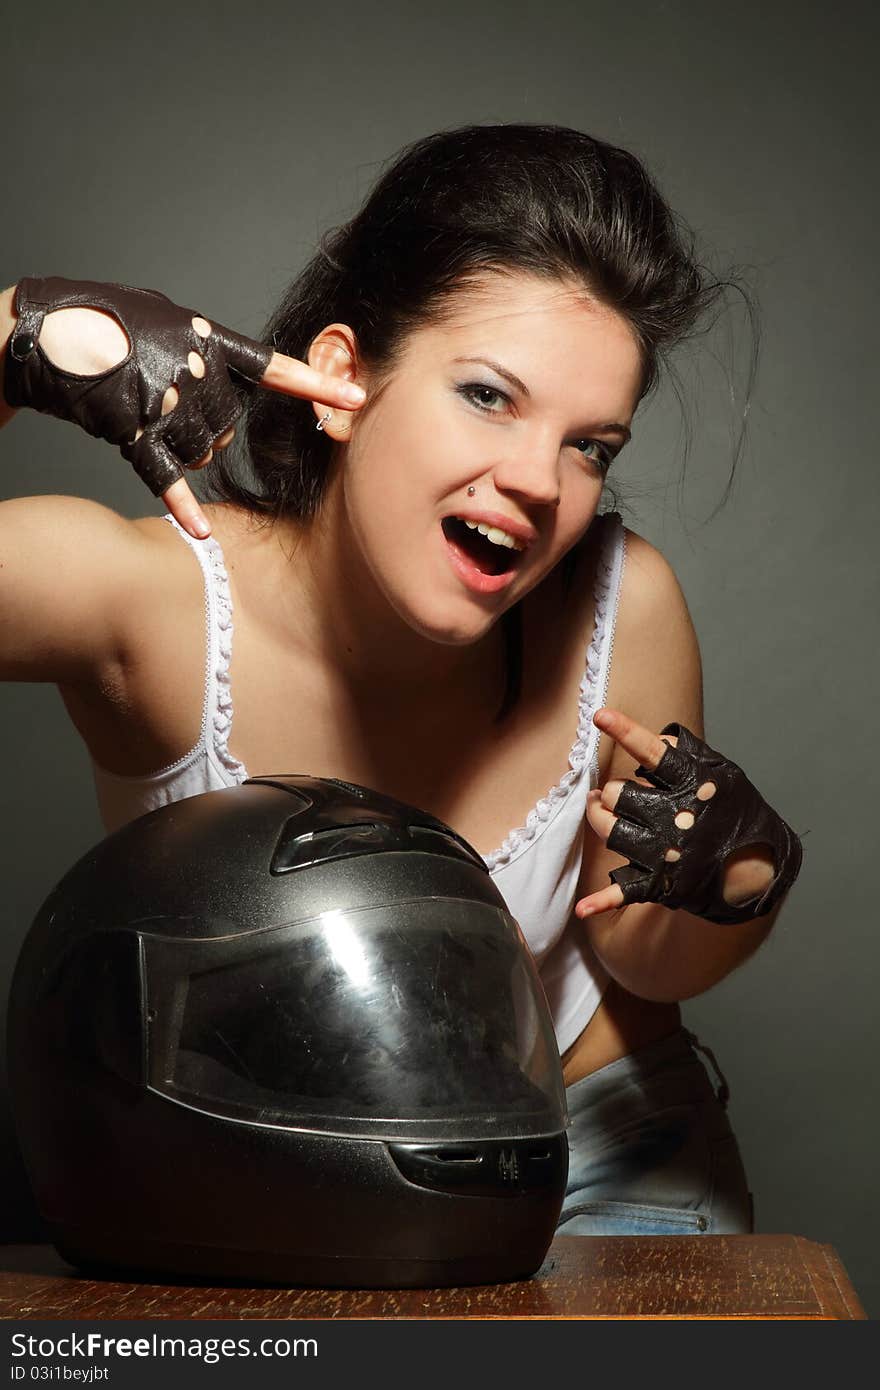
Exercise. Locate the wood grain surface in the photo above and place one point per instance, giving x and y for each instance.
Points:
(750, 1277)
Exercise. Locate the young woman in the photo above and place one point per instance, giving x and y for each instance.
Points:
(427, 599)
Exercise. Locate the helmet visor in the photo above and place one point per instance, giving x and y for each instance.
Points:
(425, 1018)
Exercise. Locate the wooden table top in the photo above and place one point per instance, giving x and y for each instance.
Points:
(620, 1277)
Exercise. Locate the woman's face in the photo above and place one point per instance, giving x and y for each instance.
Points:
(453, 444)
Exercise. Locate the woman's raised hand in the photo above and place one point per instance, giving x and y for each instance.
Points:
(161, 382)
(697, 834)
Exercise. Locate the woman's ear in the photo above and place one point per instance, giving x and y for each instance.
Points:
(334, 353)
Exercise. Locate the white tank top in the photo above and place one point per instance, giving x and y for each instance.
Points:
(536, 869)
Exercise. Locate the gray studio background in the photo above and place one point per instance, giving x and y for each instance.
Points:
(200, 150)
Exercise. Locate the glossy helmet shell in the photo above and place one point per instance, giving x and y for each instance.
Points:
(288, 1032)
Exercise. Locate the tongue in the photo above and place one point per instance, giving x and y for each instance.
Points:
(488, 558)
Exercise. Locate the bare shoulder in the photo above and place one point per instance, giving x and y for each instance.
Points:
(68, 564)
(651, 592)
(171, 578)
(122, 709)
(229, 528)
(226, 523)
(656, 672)
(167, 578)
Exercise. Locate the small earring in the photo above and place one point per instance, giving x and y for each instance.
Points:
(472, 491)
(323, 420)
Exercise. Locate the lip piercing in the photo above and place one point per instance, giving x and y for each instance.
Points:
(471, 492)
(323, 420)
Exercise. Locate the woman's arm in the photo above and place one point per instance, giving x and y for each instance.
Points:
(7, 323)
(654, 952)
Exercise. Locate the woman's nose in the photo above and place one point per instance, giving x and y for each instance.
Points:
(532, 474)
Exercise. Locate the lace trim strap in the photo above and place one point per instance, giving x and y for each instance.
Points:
(220, 626)
(590, 694)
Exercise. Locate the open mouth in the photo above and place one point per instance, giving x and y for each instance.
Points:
(490, 550)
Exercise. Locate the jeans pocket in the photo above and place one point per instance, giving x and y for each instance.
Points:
(604, 1218)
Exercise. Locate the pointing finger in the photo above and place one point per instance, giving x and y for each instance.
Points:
(184, 507)
(289, 375)
(604, 901)
(646, 747)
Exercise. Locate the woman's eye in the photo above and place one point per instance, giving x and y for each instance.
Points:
(601, 456)
(477, 393)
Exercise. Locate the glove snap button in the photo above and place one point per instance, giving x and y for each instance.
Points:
(22, 346)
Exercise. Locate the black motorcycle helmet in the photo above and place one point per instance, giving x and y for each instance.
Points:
(288, 1032)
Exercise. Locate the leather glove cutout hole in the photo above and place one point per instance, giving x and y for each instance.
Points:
(86, 342)
(171, 398)
(739, 871)
(169, 401)
(685, 819)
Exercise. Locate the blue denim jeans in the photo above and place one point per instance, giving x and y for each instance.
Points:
(651, 1151)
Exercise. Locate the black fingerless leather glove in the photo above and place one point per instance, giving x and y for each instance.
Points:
(115, 404)
(734, 817)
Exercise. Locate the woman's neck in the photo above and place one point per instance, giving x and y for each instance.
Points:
(331, 607)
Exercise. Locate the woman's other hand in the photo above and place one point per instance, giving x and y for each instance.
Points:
(131, 367)
(652, 829)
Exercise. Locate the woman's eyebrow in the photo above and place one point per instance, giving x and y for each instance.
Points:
(502, 371)
(524, 390)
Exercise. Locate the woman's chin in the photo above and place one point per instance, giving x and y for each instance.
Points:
(447, 628)
(454, 636)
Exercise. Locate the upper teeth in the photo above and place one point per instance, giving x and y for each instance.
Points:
(495, 535)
